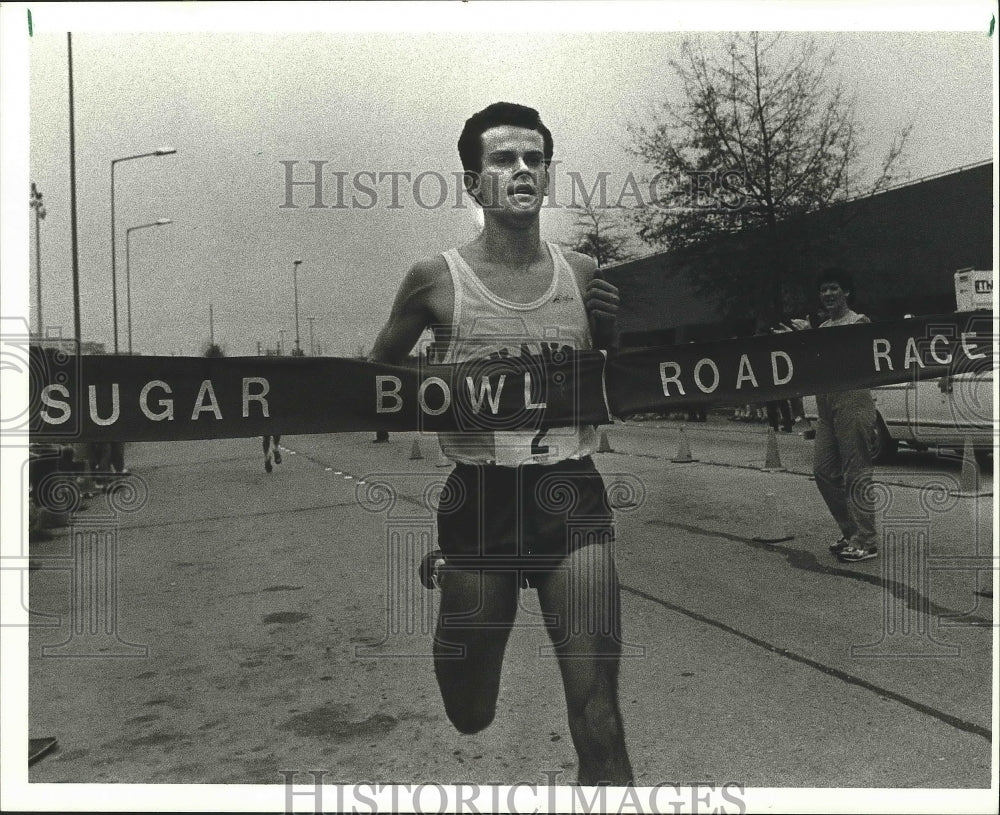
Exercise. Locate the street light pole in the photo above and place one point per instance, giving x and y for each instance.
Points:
(310, 319)
(74, 237)
(39, 208)
(295, 283)
(163, 151)
(128, 272)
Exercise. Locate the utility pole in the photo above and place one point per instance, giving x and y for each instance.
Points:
(211, 326)
(311, 351)
(36, 204)
(295, 281)
(72, 201)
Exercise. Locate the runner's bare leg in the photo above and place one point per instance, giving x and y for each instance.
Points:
(582, 604)
(474, 622)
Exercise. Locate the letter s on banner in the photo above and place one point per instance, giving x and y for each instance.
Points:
(58, 404)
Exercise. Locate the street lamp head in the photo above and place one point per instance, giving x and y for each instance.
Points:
(163, 221)
(296, 262)
(165, 151)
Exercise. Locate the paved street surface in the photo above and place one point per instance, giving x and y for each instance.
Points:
(268, 622)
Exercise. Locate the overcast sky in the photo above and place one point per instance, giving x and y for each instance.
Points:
(235, 105)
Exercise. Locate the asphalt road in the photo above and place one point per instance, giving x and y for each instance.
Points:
(269, 622)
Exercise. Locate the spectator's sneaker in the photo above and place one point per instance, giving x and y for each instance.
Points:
(430, 569)
(277, 456)
(854, 554)
(839, 546)
(267, 465)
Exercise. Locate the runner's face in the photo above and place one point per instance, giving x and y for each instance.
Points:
(514, 177)
(833, 297)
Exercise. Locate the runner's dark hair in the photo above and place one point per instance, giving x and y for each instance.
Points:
(470, 145)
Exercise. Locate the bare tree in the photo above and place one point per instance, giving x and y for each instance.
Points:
(598, 232)
(764, 134)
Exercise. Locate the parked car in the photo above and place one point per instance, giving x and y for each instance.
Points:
(933, 413)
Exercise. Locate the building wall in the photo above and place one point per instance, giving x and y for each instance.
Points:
(902, 246)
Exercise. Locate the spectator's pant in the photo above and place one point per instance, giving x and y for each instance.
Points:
(106, 457)
(779, 412)
(845, 438)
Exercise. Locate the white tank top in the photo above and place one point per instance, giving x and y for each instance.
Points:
(485, 324)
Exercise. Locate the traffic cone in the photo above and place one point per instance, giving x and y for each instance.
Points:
(415, 451)
(772, 460)
(604, 446)
(442, 460)
(773, 529)
(683, 451)
(969, 481)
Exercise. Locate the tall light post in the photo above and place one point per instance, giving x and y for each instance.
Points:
(128, 274)
(310, 321)
(163, 151)
(73, 232)
(295, 283)
(36, 204)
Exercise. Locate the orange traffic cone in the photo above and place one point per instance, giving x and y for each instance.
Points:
(415, 451)
(969, 481)
(604, 446)
(773, 529)
(683, 451)
(772, 460)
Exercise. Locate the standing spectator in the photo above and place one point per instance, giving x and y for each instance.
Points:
(106, 458)
(845, 437)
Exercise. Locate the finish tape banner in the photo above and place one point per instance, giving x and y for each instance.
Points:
(120, 398)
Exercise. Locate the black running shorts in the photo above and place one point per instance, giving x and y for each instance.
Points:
(526, 518)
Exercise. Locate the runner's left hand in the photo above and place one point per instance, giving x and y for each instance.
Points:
(601, 298)
(601, 302)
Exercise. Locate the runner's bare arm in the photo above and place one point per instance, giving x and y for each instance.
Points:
(410, 316)
(600, 298)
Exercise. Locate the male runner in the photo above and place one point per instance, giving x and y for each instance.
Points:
(519, 505)
(272, 449)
